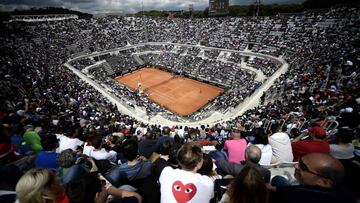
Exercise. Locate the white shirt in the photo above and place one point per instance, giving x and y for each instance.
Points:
(266, 154)
(68, 143)
(281, 147)
(290, 126)
(181, 133)
(342, 152)
(87, 149)
(142, 130)
(185, 186)
(103, 154)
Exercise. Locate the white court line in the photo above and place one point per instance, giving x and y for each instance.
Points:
(136, 80)
(162, 95)
(181, 86)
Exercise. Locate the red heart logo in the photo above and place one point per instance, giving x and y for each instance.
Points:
(183, 193)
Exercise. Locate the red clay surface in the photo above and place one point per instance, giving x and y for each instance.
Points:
(180, 95)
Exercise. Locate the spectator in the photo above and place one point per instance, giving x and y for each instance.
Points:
(113, 142)
(88, 147)
(280, 144)
(18, 141)
(235, 147)
(91, 188)
(66, 161)
(134, 170)
(316, 143)
(180, 132)
(164, 137)
(172, 161)
(261, 140)
(342, 149)
(47, 157)
(218, 153)
(7, 150)
(140, 131)
(252, 158)
(202, 132)
(163, 160)
(71, 139)
(99, 152)
(32, 138)
(148, 145)
(40, 185)
(185, 184)
(208, 168)
(248, 187)
(320, 177)
(86, 188)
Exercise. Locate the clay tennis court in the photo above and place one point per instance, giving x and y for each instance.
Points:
(180, 95)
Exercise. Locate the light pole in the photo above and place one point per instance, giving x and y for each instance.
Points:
(257, 7)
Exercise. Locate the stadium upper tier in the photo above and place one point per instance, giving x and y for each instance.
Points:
(319, 47)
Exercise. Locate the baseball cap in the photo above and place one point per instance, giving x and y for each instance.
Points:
(318, 131)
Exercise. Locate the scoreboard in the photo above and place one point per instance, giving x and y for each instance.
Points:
(218, 7)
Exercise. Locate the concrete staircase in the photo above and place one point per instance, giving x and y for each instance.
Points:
(138, 59)
(108, 69)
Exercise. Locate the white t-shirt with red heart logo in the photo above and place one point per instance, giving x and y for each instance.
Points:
(181, 186)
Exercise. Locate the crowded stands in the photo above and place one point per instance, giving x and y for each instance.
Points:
(63, 141)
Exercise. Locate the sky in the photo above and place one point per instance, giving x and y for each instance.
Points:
(122, 6)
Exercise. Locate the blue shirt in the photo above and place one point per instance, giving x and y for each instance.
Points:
(162, 139)
(218, 155)
(140, 170)
(46, 160)
(16, 139)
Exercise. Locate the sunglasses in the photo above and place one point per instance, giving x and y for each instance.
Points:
(302, 166)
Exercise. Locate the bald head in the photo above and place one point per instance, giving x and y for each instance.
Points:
(330, 172)
(253, 154)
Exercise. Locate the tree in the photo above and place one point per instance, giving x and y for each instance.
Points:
(316, 4)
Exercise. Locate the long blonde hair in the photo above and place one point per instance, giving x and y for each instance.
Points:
(38, 186)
